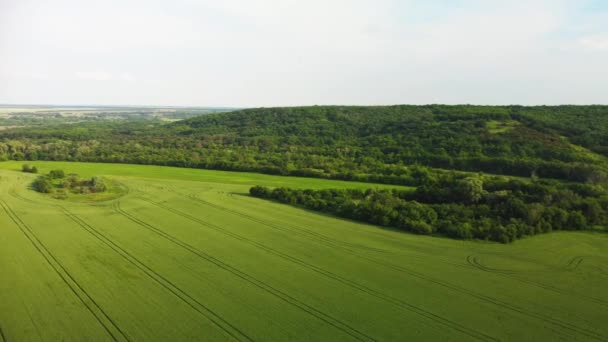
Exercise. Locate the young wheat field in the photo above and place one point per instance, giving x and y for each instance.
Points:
(187, 254)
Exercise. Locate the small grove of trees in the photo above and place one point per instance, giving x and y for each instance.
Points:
(44, 184)
(462, 208)
(29, 169)
(57, 181)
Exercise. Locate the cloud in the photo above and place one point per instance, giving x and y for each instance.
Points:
(595, 42)
(103, 76)
(291, 52)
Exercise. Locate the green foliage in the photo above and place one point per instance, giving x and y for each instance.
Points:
(461, 208)
(97, 184)
(29, 169)
(56, 174)
(57, 183)
(470, 189)
(43, 184)
(370, 144)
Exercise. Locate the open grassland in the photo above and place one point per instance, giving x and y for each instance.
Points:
(186, 255)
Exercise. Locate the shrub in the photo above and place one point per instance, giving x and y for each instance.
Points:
(97, 185)
(56, 174)
(29, 169)
(42, 184)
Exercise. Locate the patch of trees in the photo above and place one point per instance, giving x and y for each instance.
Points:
(473, 207)
(370, 144)
(58, 183)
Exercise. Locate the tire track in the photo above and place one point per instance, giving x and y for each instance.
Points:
(325, 216)
(202, 309)
(574, 263)
(499, 303)
(395, 301)
(2, 336)
(189, 300)
(310, 234)
(478, 265)
(543, 265)
(353, 332)
(475, 263)
(14, 194)
(100, 315)
(489, 299)
(302, 231)
(314, 234)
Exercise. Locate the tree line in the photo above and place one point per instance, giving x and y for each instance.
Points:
(462, 207)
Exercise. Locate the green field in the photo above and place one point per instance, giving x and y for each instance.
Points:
(187, 255)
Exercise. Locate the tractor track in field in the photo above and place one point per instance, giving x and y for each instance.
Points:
(100, 315)
(471, 260)
(377, 232)
(351, 331)
(489, 299)
(310, 234)
(2, 336)
(362, 288)
(137, 263)
(14, 194)
(499, 303)
(202, 309)
(474, 261)
(302, 231)
(574, 263)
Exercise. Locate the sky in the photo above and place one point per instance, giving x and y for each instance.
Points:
(254, 53)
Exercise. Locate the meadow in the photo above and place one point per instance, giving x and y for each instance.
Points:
(187, 255)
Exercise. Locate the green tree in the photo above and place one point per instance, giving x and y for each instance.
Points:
(470, 189)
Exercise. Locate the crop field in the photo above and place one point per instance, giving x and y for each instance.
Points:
(188, 255)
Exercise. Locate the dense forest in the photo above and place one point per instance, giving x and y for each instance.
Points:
(462, 207)
(373, 144)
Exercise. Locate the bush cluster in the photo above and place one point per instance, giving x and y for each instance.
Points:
(57, 181)
(29, 169)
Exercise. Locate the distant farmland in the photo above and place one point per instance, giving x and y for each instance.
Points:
(188, 255)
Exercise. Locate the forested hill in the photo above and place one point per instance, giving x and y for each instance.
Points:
(362, 143)
(550, 141)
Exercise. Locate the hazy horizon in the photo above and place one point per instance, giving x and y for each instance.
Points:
(266, 53)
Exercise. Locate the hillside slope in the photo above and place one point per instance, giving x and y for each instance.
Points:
(358, 143)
